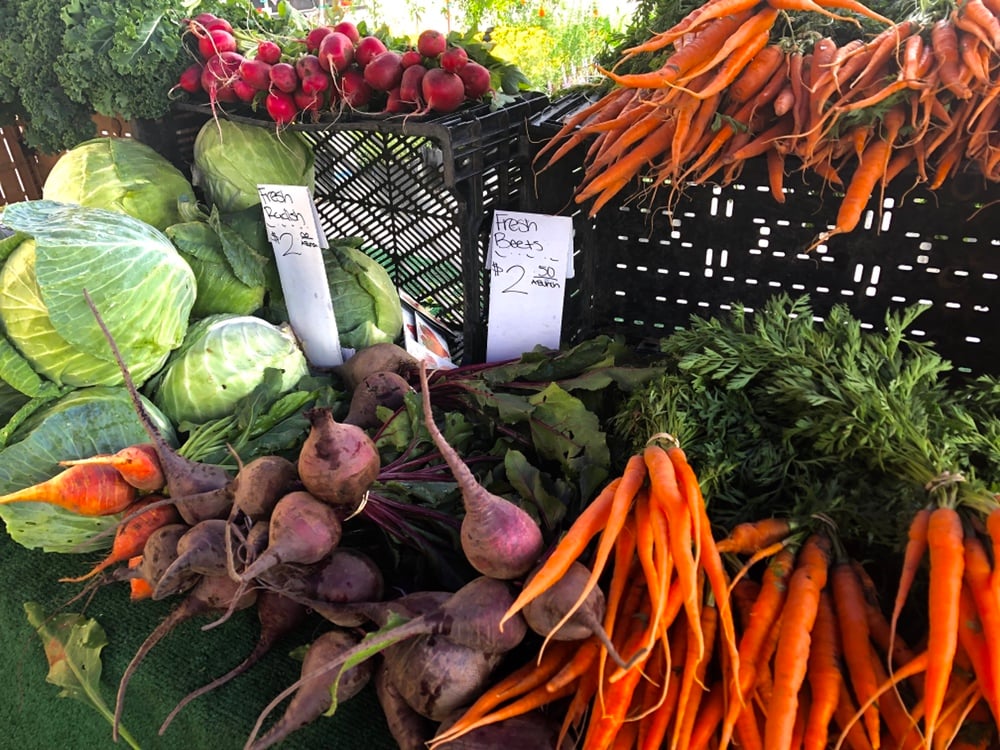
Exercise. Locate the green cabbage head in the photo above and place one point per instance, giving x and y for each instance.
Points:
(231, 159)
(120, 174)
(137, 280)
(223, 359)
(365, 301)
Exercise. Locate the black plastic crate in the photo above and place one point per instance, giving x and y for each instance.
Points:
(419, 191)
(642, 272)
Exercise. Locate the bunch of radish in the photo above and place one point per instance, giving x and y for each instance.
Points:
(334, 68)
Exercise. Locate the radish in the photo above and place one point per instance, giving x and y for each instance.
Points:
(348, 29)
(367, 49)
(216, 41)
(301, 530)
(315, 36)
(476, 79)
(243, 90)
(256, 73)
(431, 43)
(385, 71)
(190, 79)
(278, 616)
(336, 52)
(337, 462)
(412, 57)
(212, 593)
(284, 77)
(218, 75)
(453, 59)
(281, 107)
(353, 89)
(307, 64)
(217, 23)
(499, 538)
(268, 52)
(410, 85)
(442, 91)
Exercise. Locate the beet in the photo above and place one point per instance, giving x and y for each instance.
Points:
(337, 462)
(385, 389)
(385, 357)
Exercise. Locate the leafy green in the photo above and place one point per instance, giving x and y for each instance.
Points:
(365, 299)
(73, 645)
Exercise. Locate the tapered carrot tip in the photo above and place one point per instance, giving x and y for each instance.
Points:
(88, 490)
(139, 465)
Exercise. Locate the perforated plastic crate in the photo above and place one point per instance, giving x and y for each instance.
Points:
(642, 272)
(420, 192)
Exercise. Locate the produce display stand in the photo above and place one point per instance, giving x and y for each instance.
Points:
(642, 271)
(418, 190)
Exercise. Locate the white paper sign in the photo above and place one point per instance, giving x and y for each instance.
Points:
(529, 259)
(295, 234)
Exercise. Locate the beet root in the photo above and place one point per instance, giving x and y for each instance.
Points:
(409, 729)
(387, 389)
(337, 462)
(535, 730)
(201, 550)
(383, 357)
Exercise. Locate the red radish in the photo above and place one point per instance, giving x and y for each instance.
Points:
(307, 64)
(301, 530)
(243, 90)
(337, 462)
(431, 43)
(409, 86)
(385, 71)
(283, 77)
(131, 535)
(336, 52)
(218, 23)
(203, 18)
(499, 538)
(218, 75)
(353, 89)
(278, 616)
(211, 594)
(307, 101)
(316, 83)
(190, 79)
(367, 49)
(412, 57)
(442, 91)
(315, 36)
(348, 29)
(281, 107)
(138, 465)
(314, 694)
(453, 59)
(394, 104)
(268, 52)
(216, 41)
(477, 80)
(256, 73)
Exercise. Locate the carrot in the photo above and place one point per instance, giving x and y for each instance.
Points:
(993, 529)
(944, 42)
(735, 53)
(138, 464)
(710, 714)
(978, 574)
(856, 7)
(579, 705)
(605, 108)
(747, 732)
(87, 490)
(582, 660)
(700, 16)
(693, 677)
(756, 74)
(851, 731)
(761, 142)
(776, 174)
(752, 536)
(823, 673)
(901, 725)
(139, 587)
(791, 656)
(809, 6)
(913, 554)
(852, 621)
(947, 563)
(131, 535)
(763, 619)
(706, 42)
(973, 17)
(658, 721)
(587, 525)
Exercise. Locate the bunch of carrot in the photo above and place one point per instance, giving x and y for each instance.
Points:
(919, 96)
(771, 637)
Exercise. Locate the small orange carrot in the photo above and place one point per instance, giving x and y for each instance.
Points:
(913, 554)
(756, 74)
(810, 6)
(752, 536)
(978, 573)
(131, 534)
(690, 699)
(993, 529)
(87, 490)
(699, 17)
(851, 731)
(792, 654)
(823, 675)
(856, 7)
(945, 547)
(973, 17)
(139, 587)
(138, 464)
(944, 42)
(776, 174)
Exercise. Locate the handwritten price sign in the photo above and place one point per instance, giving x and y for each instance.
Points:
(294, 232)
(529, 257)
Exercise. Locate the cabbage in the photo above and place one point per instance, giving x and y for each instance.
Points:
(139, 283)
(223, 359)
(81, 424)
(231, 159)
(365, 301)
(120, 174)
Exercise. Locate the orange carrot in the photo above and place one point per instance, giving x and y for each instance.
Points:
(856, 7)
(139, 587)
(752, 536)
(607, 107)
(131, 534)
(809, 6)
(693, 677)
(756, 74)
(700, 16)
(776, 174)
(851, 731)
(710, 714)
(87, 490)
(993, 529)
(973, 17)
(944, 42)
(947, 562)
(978, 573)
(852, 621)
(658, 722)
(138, 464)
(792, 654)
(734, 54)
(913, 554)
(823, 675)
